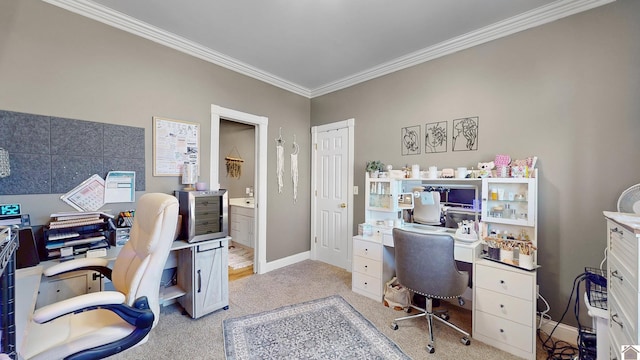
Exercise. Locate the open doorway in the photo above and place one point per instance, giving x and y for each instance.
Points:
(237, 176)
(255, 174)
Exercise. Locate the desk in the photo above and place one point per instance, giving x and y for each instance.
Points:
(202, 257)
(374, 261)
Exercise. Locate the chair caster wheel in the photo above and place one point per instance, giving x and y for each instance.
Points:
(465, 341)
(394, 326)
(431, 349)
(407, 310)
(445, 317)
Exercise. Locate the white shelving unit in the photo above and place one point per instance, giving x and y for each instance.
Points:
(504, 294)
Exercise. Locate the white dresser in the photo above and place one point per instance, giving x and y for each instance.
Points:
(368, 275)
(623, 234)
(504, 308)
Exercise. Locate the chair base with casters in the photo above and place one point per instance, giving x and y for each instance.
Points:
(442, 316)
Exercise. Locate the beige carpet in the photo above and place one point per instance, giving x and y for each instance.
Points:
(179, 337)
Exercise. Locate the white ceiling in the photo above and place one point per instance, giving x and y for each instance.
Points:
(315, 47)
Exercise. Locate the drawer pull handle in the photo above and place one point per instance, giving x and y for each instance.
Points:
(502, 330)
(501, 281)
(615, 274)
(615, 230)
(501, 306)
(614, 318)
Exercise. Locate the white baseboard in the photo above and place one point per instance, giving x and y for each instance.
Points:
(289, 260)
(563, 332)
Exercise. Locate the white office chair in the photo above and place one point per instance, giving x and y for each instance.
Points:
(426, 209)
(425, 264)
(109, 322)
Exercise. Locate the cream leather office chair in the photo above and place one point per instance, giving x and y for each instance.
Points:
(110, 321)
(425, 264)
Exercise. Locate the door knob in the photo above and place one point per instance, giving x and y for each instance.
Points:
(343, 205)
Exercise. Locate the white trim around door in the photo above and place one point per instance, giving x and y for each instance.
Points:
(260, 122)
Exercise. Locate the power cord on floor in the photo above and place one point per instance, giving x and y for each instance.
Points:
(558, 349)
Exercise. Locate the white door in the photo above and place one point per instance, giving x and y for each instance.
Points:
(332, 198)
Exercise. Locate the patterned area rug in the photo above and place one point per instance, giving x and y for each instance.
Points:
(328, 328)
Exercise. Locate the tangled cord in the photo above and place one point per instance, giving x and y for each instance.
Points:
(558, 349)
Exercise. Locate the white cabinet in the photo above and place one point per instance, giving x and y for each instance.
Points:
(504, 292)
(505, 308)
(203, 273)
(60, 287)
(509, 207)
(372, 264)
(242, 225)
(623, 232)
(384, 198)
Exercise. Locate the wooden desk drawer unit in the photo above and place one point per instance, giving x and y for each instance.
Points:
(504, 308)
(623, 233)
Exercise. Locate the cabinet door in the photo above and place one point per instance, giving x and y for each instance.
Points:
(63, 287)
(381, 194)
(509, 201)
(211, 291)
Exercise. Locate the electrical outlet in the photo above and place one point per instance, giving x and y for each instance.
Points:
(355, 190)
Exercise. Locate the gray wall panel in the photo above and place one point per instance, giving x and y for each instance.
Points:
(76, 137)
(123, 142)
(68, 172)
(24, 133)
(30, 174)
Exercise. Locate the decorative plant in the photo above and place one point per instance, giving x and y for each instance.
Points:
(375, 165)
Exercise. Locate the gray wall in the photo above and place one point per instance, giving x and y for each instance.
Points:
(54, 62)
(567, 92)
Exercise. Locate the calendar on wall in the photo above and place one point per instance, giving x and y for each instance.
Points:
(174, 143)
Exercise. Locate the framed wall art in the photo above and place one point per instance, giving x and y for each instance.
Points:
(174, 143)
(465, 134)
(435, 137)
(410, 140)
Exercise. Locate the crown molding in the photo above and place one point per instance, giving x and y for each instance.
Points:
(129, 24)
(536, 17)
(524, 21)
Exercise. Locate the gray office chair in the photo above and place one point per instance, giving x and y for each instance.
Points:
(425, 264)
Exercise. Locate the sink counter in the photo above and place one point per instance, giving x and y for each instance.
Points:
(242, 202)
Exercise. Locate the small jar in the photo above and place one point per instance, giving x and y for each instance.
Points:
(494, 194)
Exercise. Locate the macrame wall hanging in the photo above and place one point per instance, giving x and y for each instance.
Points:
(234, 164)
(280, 160)
(294, 168)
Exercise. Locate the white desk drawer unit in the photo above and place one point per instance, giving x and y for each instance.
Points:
(623, 233)
(367, 266)
(504, 308)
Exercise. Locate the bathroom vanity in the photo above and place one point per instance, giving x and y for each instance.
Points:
(242, 221)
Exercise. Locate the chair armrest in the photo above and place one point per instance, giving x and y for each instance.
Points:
(82, 264)
(76, 304)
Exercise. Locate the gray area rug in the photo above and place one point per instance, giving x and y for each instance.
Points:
(328, 328)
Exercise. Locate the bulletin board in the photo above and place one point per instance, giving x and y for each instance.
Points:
(174, 143)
